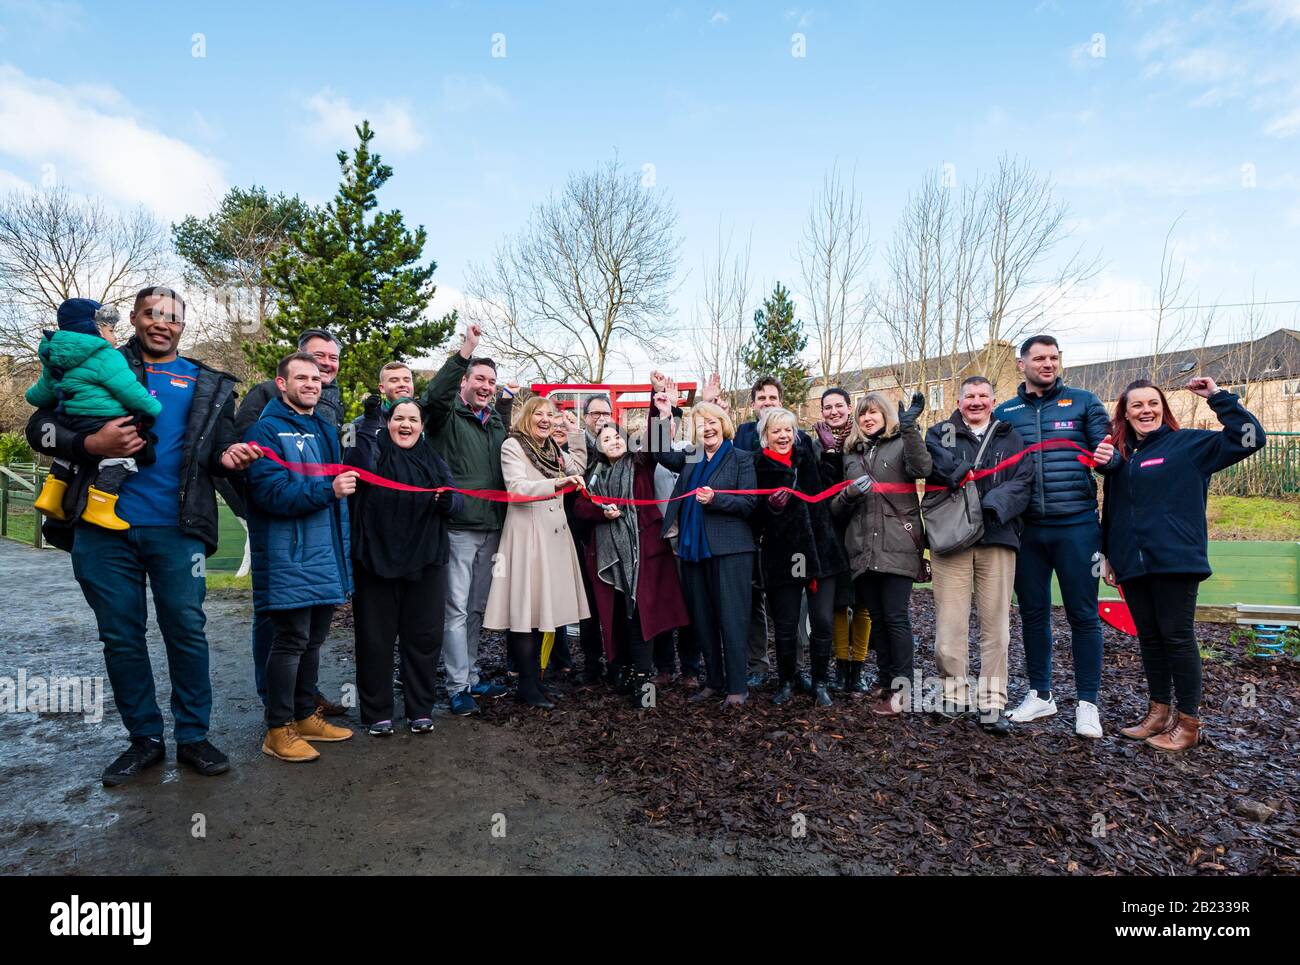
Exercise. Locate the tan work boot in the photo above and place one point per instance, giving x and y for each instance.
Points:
(1183, 736)
(284, 743)
(1159, 718)
(317, 728)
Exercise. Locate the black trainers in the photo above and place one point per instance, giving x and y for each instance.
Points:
(144, 753)
(202, 757)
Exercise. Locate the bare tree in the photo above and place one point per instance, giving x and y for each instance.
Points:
(55, 246)
(972, 270)
(722, 312)
(590, 275)
(833, 256)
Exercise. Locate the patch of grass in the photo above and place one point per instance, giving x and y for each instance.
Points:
(1254, 517)
(230, 583)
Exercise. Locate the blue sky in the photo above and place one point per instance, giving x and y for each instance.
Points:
(1193, 111)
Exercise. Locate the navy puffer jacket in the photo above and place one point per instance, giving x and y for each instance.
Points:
(297, 528)
(1154, 516)
(1064, 492)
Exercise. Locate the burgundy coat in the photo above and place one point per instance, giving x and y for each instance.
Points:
(659, 599)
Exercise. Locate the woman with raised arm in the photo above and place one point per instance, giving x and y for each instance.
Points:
(883, 537)
(1155, 541)
(537, 585)
(798, 550)
(714, 541)
(633, 573)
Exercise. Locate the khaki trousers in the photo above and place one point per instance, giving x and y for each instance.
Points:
(988, 573)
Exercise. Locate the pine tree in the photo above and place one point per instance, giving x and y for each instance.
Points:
(356, 272)
(775, 347)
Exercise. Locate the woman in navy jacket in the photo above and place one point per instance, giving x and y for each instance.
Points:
(714, 541)
(1155, 542)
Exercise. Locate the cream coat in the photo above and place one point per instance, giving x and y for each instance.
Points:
(536, 579)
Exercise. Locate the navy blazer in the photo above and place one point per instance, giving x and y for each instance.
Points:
(726, 519)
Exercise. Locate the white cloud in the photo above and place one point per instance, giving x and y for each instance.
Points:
(719, 16)
(1279, 13)
(1284, 125)
(89, 138)
(801, 16)
(335, 119)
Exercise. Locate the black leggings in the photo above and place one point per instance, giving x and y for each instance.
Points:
(888, 597)
(631, 649)
(1164, 609)
(783, 603)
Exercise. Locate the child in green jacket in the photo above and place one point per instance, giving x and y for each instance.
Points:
(88, 383)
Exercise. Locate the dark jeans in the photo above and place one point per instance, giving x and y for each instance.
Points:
(410, 613)
(112, 568)
(294, 662)
(787, 607)
(888, 597)
(631, 648)
(1164, 609)
(713, 589)
(263, 634)
(1072, 553)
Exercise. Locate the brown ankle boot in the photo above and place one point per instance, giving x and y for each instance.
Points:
(1184, 735)
(1159, 718)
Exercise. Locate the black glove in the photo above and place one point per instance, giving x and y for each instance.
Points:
(991, 518)
(443, 502)
(373, 407)
(959, 475)
(907, 417)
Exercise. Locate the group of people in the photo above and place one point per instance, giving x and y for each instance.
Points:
(674, 552)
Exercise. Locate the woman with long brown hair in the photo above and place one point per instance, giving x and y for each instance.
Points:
(1155, 542)
(537, 585)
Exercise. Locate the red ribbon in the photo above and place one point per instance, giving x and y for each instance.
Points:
(500, 496)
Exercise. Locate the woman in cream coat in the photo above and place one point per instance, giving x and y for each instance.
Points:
(536, 582)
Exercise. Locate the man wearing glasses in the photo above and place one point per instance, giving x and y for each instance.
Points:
(171, 506)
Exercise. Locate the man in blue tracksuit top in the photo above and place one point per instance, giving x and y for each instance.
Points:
(298, 535)
(1062, 532)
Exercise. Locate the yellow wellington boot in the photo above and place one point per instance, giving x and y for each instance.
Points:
(317, 728)
(100, 510)
(284, 743)
(50, 501)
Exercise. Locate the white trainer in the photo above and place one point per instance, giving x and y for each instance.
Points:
(1087, 720)
(1032, 708)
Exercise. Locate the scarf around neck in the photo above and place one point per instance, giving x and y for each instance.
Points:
(546, 457)
(618, 547)
(692, 540)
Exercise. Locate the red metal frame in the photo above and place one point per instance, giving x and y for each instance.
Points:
(618, 404)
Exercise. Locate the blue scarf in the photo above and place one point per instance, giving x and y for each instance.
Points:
(692, 542)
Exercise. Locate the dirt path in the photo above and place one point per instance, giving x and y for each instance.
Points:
(404, 805)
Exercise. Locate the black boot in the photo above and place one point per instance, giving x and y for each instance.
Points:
(821, 697)
(529, 691)
(857, 685)
(784, 692)
(639, 683)
(841, 681)
(144, 753)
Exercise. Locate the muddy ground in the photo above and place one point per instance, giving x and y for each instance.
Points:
(595, 787)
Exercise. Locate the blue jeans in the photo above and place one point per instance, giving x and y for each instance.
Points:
(112, 568)
(1072, 552)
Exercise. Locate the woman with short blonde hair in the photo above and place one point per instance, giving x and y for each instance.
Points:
(707, 410)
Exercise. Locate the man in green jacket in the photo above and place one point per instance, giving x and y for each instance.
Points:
(466, 429)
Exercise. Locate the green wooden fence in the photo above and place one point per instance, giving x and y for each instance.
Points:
(1274, 471)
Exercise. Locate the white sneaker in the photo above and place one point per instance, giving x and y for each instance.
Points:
(1031, 708)
(1087, 720)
